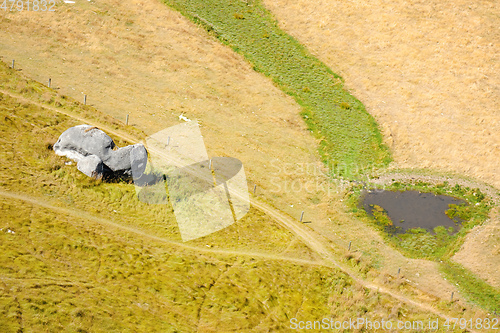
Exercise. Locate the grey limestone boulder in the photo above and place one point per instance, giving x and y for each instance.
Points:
(97, 155)
(92, 166)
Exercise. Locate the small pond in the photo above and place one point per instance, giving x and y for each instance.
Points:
(412, 209)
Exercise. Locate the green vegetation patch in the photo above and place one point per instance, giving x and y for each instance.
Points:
(471, 286)
(64, 266)
(350, 138)
(441, 244)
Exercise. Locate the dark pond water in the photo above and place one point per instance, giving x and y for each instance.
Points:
(412, 209)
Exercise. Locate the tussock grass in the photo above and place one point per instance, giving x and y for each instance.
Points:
(63, 269)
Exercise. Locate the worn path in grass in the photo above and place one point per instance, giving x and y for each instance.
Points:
(481, 250)
(309, 239)
(72, 115)
(305, 235)
(313, 240)
(110, 65)
(42, 202)
(142, 58)
(428, 72)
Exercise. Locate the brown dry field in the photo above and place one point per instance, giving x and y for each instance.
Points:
(429, 72)
(138, 57)
(481, 251)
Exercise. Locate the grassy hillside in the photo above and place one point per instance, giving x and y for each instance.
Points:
(150, 62)
(79, 255)
(350, 141)
(345, 128)
(427, 71)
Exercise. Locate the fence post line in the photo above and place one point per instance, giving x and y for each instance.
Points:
(126, 120)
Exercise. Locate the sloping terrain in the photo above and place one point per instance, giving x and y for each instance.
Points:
(481, 251)
(428, 71)
(81, 255)
(143, 59)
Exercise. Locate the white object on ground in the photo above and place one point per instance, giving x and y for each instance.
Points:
(182, 117)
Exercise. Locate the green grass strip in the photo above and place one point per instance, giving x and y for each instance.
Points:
(350, 139)
(472, 287)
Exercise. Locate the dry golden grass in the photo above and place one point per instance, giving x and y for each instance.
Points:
(428, 72)
(481, 251)
(143, 59)
(73, 263)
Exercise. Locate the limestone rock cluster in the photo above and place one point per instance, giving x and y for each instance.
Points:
(97, 155)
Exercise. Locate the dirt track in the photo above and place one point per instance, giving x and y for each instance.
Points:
(316, 242)
(85, 215)
(429, 72)
(310, 239)
(108, 75)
